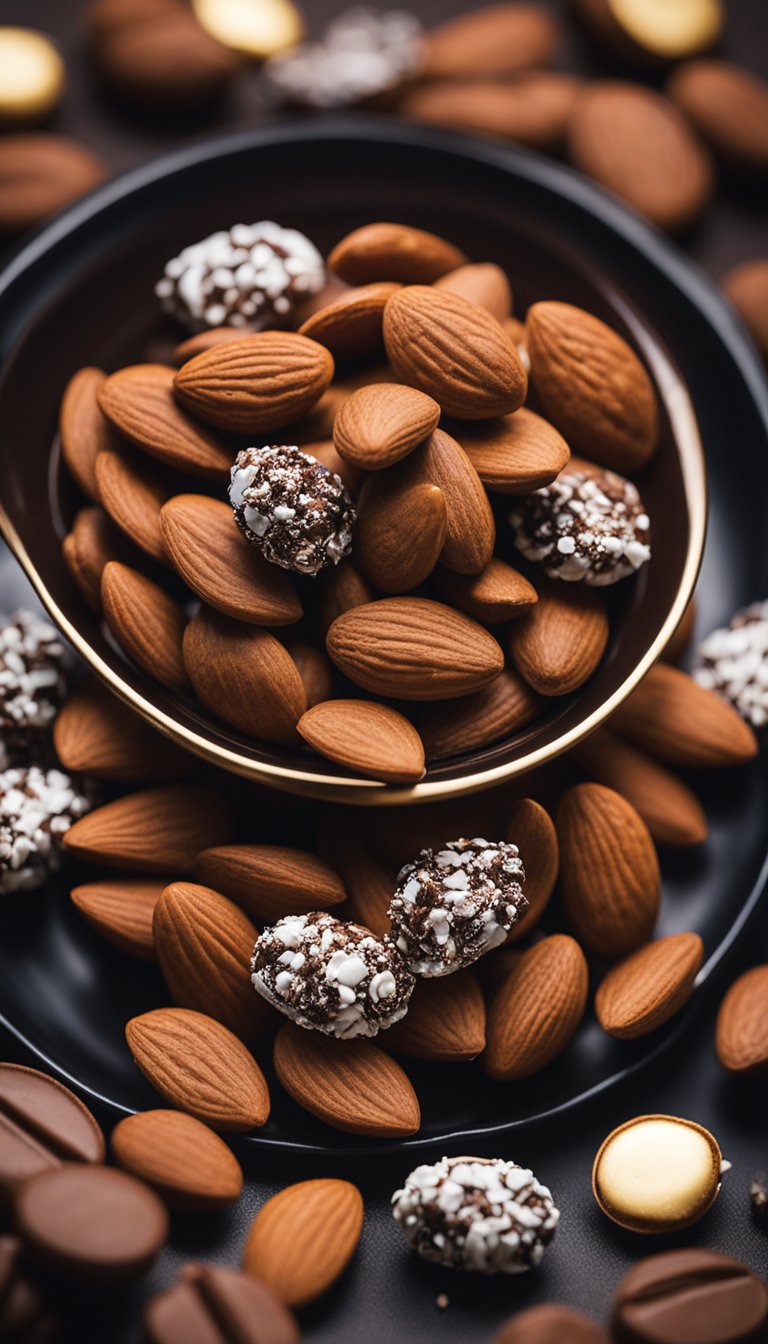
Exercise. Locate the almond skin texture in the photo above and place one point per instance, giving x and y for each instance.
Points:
(93, 541)
(609, 872)
(559, 643)
(674, 718)
(531, 828)
(592, 386)
(747, 288)
(214, 559)
(514, 454)
(391, 513)
(96, 734)
(340, 590)
(454, 351)
(203, 340)
(303, 1238)
(483, 283)
(741, 1034)
(728, 105)
(83, 429)
(495, 595)
(671, 811)
(349, 1085)
(534, 110)
(200, 1068)
(393, 252)
(40, 174)
(139, 401)
(188, 1165)
(413, 648)
(365, 736)
(499, 710)
(133, 498)
(121, 910)
(649, 987)
(270, 881)
(244, 675)
(153, 831)
(471, 529)
(445, 1021)
(351, 326)
(499, 40)
(536, 1009)
(378, 425)
(257, 383)
(315, 671)
(147, 623)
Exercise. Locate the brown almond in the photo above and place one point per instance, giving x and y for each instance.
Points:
(40, 174)
(728, 105)
(96, 734)
(413, 648)
(483, 283)
(669, 808)
(397, 834)
(257, 383)
(369, 883)
(206, 548)
(204, 340)
(139, 401)
(741, 1034)
(379, 425)
(560, 641)
(83, 428)
(133, 60)
(303, 1238)
(188, 1165)
(445, 1021)
(318, 423)
(121, 909)
(609, 871)
(674, 718)
(652, 34)
(678, 644)
(315, 670)
(649, 987)
(393, 252)
(531, 828)
(365, 736)
(351, 326)
(349, 1085)
(495, 595)
(393, 512)
(501, 39)
(500, 710)
(747, 288)
(454, 351)
(341, 589)
(471, 529)
(92, 543)
(200, 1067)
(270, 881)
(244, 675)
(514, 454)
(154, 830)
(537, 1009)
(146, 622)
(133, 498)
(532, 110)
(326, 452)
(592, 386)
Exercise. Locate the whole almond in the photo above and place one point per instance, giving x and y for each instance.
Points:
(133, 498)
(96, 734)
(40, 174)
(651, 32)
(255, 384)
(351, 326)
(531, 828)
(368, 881)
(741, 1034)
(139, 401)
(214, 559)
(453, 727)
(92, 543)
(349, 1085)
(200, 1067)
(454, 351)
(270, 881)
(378, 425)
(669, 808)
(728, 105)
(121, 909)
(146, 622)
(592, 386)
(244, 675)
(674, 718)
(132, 59)
(483, 283)
(471, 529)
(533, 110)
(499, 40)
(303, 1238)
(445, 1021)
(83, 428)
(393, 252)
(558, 644)
(747, 289)
(393, 511)
(649, 987)
(514, 454)
(181, 1158)
(365, 736)
(413, 648)
(341, 589)
(609, 871)
(154, 830)
(317, 424)
(315, 670)
(495, 595)
(536, 1009)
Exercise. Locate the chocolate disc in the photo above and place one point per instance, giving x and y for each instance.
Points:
(689, 1297)
(42, 1124)
(211, 1303)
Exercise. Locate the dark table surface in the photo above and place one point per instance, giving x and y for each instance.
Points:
(387, 1294)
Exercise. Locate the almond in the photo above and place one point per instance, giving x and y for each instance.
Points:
(92, 543)
(133, 60)
(635, 141)
(670, 810)
(531, 828)
(391, 513)
(674, 718)
(536, 1009)
(215, 560)
(728, 105)
(303, 1238)
(133, 498)
(315, 671)
(560, 642)
(397, 834)
(649, 987)
(499, 40)
(365, 736)
(83, 429)
(592, 386)
(244, 675)
(369, 883)
(147, 623)
(204, 340)
(652, 32)
(181, 1158)
(341, 589)
(683, 635)
(474, 721)
(326, 452)
(204, 944)
(121, 910)
(96, 734)
(139, 401)
(40, 174)
(413, 648)
(741, 1034)
(318, 423)
(349, 1085)
(199, 1067)
(609, 872)
(378, 425)
(514, 454)
(270, 881)
(351, 326)
(454, 351)
(155, 830)
(393, 252)
(483, 283)
(445, 1021)
(747, 288)
(533, 110)
(255, 384)
(495, 595)
(471, 530)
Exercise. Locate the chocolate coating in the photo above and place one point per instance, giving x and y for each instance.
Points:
(733, 662)
(291, 508)
(37, 808)
(32, 685)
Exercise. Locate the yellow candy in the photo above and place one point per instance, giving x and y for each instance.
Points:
(657, 1173)
(31, 75)
(256, 27)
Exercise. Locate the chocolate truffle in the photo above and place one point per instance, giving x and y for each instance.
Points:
(291, 508)
(733, 662)
(492, 1217)
(36, 809)
(331, 975)
(32, 685)
(453, 904)
(363, 53)
(251, 276)
(586, 527)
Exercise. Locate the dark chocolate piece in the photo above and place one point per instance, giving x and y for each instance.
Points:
(42, 1124)
(212, 1305)
(689, 1297)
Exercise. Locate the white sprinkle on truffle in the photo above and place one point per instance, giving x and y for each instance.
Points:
(32, 685)
(291, 508)
(37, 808)
(364, 52)
(733, 662)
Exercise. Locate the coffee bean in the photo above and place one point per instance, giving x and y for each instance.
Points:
(42, 1124)
(689, 1297)
(91, 1225)
(550, 1325)
(24, 1316)
(209, 1303)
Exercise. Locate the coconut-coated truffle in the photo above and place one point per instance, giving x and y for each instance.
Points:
(291, 508)
(37, 808)
(733, 662)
